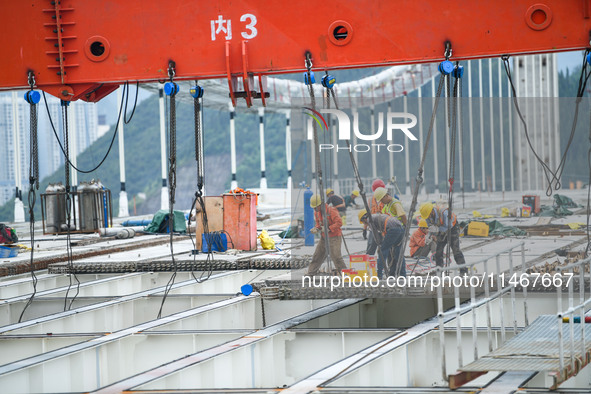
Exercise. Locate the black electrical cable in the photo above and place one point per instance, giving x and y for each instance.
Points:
(137, 88)
(62, 148)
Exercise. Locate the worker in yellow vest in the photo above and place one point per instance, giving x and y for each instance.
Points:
(440, 217)
(392, 206)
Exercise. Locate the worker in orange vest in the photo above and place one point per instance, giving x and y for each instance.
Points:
(422, 244)
(435, 216)
(335, 236)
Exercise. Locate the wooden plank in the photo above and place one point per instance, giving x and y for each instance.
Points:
(214, 207)
(460, 378)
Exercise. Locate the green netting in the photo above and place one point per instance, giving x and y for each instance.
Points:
(564, 201)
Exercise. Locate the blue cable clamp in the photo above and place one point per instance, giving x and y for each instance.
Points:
(32, 97)
(196, 91)
(458, 72)
(328, 81)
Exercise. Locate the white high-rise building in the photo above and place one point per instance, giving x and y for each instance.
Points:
(50, 154)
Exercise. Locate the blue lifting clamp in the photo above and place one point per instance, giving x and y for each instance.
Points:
(64, 103)
(589, 58)
(328, 81)
(246, 289)
(446, 67)
(196, 91)
(32, 97)
(171, 88)
(312, 79)
(458, 71)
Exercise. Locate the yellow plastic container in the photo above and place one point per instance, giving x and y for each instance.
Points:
(478, 229)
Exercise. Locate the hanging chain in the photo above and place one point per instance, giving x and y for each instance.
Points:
(171, 178)
(319, 180)
(33, 181)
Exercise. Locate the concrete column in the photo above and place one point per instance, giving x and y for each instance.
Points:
(491, 126)
(421, 137)
(335, 156)
(471, 127)
(123, 208)
(501, 119)
(510, 135)
(482, 163)
(19, 208)
(164, 191)
(262, 144)
(234, 183)
(556, 117)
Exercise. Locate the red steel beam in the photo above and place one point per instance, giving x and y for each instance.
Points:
(109, 42)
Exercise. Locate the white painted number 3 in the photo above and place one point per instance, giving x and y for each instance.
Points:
(249, 26)
(224, 27)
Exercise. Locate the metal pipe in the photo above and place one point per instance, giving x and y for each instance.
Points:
(164, 191)
(513, 311)
(472, 177)
(234, 183)
(19, 210)
(571, 322)
(535, 131)
(474, 331)
(492, 132)
(488, 316)
(123, 203)
(582, 311)
(441, 327)
(527, 108)
(510, 136)
(560, 337)
(501, 121)
(288, 148)
(501, 306)
(523, 271)
(458, 326)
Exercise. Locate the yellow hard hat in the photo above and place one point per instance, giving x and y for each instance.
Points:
(355, 193)
(423, 223)
(426, 210)
(315, 201)
(380, 193)
(328, 191)
(361, 214)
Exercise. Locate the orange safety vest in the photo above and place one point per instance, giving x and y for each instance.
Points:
(453, 217)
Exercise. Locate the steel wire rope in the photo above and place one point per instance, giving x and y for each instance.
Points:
(375, 232)
(64, 106)
(452, 161)
(319, 177)
(33, 186)
(419, 178)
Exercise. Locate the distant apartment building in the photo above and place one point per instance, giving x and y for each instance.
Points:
(82, 120)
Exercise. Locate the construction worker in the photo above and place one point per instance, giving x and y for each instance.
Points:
(390, 241)
(350, 200)
(338, 202)
(392, 206)
(375, 206)
(335, 236)
(422, 244)
(439, 217)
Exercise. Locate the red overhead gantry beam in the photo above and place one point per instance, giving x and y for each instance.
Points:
(85, 49)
